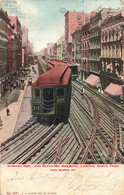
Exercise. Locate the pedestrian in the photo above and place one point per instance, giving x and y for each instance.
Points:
(6, 102)
(10, 90)
(7, 111)
(14, 86)
(16, 83)
(23, 87)
(1, 122)
(82, 91)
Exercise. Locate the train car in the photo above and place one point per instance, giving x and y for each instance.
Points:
(72, 65)
(51, 94)
(74, 70)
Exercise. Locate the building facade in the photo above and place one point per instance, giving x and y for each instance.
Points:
(45, 53)
(50, 52)
(85, 48)
(11, 55)
(25, 47)
(30, 53)
(4, 21)
(76, 46)
(95, 39)
(73, 20)
(55, 50)
(17, 30)
(112, 49)
(61, 48)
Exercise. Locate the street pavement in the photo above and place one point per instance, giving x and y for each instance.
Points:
(20, 111)
(11, 96)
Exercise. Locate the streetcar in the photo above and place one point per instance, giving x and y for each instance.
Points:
(51, 93)
(72, 65)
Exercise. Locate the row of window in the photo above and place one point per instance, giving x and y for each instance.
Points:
(111, 36)
(113, 68)
(111, 51)
(94, 67)
(85, 44)
(60, 93)
(95, 33)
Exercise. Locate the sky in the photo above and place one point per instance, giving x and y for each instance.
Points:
(45, 18)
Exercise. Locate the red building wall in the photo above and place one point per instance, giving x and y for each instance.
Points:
(73, 20)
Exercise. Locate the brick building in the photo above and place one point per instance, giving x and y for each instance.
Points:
(11, 55)
(73, 20)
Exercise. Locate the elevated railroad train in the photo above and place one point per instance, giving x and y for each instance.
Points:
(51, 93)
(72, 65)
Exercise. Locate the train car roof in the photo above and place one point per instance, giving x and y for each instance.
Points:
(59, 75)
(57, 62)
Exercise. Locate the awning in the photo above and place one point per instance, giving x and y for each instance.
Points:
(114, 89)
(92, 80)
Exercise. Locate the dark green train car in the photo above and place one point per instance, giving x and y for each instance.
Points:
(51, 94)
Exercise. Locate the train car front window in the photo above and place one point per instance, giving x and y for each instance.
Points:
(37, 94)
(60, 94)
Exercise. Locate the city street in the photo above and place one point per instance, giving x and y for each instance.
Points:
(25, 110)
(19, 106)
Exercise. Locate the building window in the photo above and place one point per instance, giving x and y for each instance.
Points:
(60, 94)
(80, 23)
(78, 17)
(86, 19)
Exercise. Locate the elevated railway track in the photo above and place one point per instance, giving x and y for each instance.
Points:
(94, 134)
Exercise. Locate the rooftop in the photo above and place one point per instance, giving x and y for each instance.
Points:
(59, 75)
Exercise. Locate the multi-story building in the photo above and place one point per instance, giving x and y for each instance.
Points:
(73, 20)
(11, 55)
(4, 21)
(31, 48)
(17, 30)
(45, 54)
(61, 48)
(30, 53)
(95, 39)
(50, 52)
(55, 51)
(85, 47)
(112, 49)
(76, 46)
(25, 46)
(10, 48)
